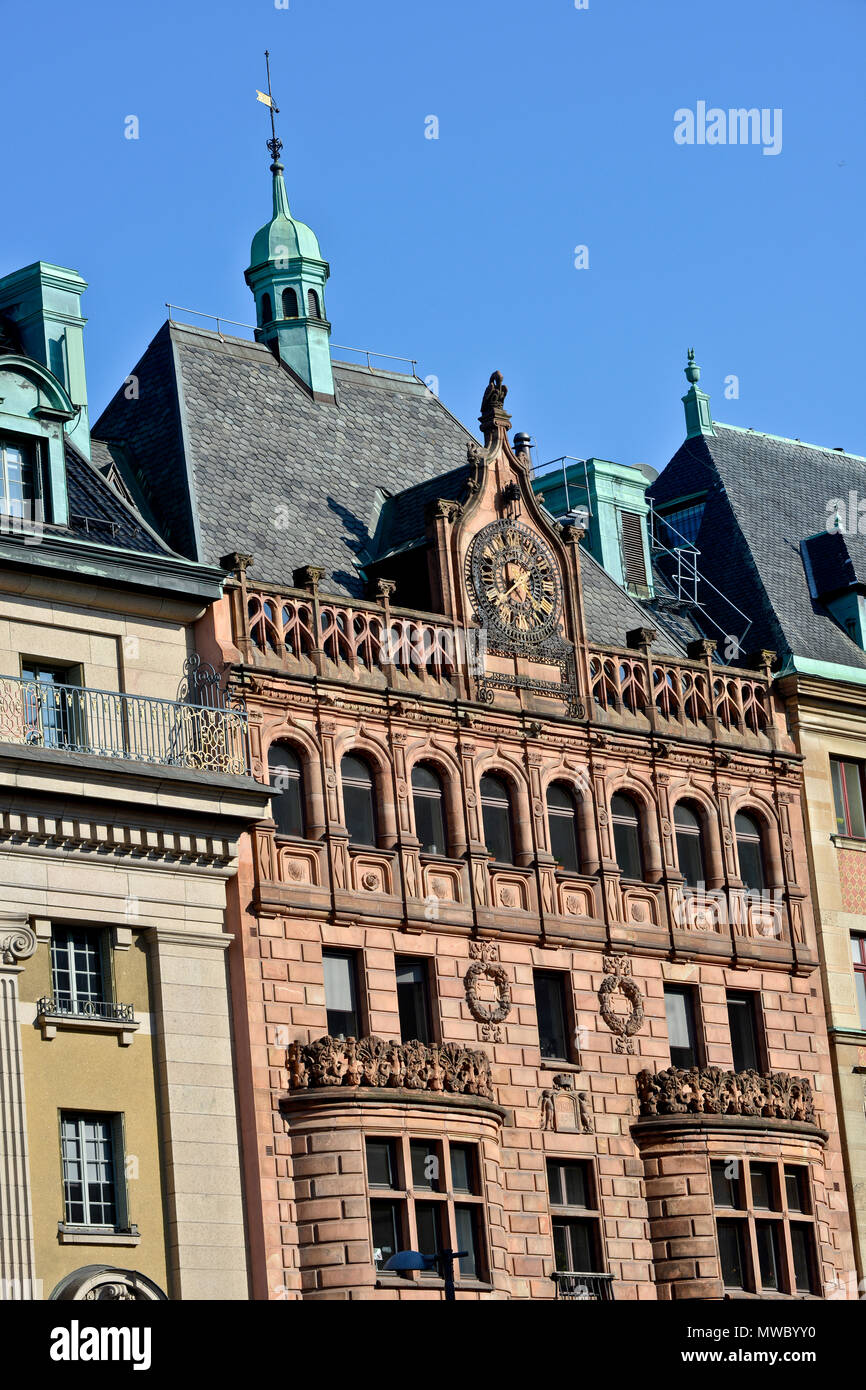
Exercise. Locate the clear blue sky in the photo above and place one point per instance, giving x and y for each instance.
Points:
(555, 130)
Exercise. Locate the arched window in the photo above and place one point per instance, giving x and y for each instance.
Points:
(290, 304)
(562, 824)
(429, 811)
(287, 807)
(750, 851)
(267, 309)
(690, 844)
(313, 305)
(359, 800)
(627, 847)
(496, 818)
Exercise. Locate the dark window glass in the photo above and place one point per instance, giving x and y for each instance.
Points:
(797, 1188)
(690, 845)
(267, 310)
(551, 1011)
(89, 1172)
(679, 527)
(858, 956)
(313, 304)
(358, 801)
(847, 781)
(726, 1183)
(413, 999)
(744, 1031)
(387, 1222)
(341, 993)
(562, 820)
(287, 807)
(464, 1175)
(429, 816)
(290, 304)
(429, 1220)
(381, 1163)
(763, 1186)
(53, 709)
(574, 1244)
(467, 1222)
(626, 836)
(803, 1251)
(496, 816)
(767, 1236)
(731, 1253)
(682, 1034)
(426, 1165)
(77, 969)
(750, 852)
(569, 1183)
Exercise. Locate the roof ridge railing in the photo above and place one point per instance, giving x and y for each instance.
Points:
(219, 319)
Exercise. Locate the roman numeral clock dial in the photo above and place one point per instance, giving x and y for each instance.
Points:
(514, 583)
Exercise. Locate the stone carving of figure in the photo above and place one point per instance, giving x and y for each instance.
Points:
(548, 1110)
(585, 1113)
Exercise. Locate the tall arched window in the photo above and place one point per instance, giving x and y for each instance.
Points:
(313, 305)
(290, 304)
(496, 818)
(287, 807)
(359, 801)
(427, 800)
(562, 824)
(750, 851)
(267, 309)
(627, 847)
(690, 844)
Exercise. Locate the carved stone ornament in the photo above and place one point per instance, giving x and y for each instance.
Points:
(618, 979)
(17, 942)
(581, 1109)
(370, 1061)
(488, 1013)
(711, 1091)
(104, 1284)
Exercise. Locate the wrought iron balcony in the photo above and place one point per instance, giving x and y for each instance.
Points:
(588, 1288)
(103, 1010)
(208, 737)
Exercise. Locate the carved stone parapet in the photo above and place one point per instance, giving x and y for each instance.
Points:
(711, 1091)
(371, 1061)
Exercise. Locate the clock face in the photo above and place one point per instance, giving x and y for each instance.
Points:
(515, 581)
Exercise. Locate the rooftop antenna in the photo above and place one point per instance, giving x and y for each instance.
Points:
(274, 145)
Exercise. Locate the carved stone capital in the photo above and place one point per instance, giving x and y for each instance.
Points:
(17, 941)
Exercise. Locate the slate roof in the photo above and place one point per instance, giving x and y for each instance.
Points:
(402, 521)
(97, 513)
(764, 496)
(610, 612)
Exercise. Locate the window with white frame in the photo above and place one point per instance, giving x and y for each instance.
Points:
(90, 1154)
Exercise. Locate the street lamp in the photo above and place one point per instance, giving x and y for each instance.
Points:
(413, 1259)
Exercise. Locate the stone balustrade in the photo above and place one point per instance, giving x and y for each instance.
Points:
(371, 1061)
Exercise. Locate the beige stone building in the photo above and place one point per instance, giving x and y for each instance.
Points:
(123, 789)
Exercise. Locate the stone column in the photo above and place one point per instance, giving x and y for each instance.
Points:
(205, 1234)
(17, 1254)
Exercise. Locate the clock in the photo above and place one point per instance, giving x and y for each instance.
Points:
(515, 582)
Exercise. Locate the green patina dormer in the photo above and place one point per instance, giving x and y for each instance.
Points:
(287, 276)
(43, 389)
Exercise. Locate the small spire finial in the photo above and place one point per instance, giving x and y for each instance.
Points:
(274, 145)
(692, 370)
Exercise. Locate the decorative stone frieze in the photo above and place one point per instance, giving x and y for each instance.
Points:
(618, 980)
(711, 1091)
(371, 1061)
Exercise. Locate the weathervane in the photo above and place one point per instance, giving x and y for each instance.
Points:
(274, 145)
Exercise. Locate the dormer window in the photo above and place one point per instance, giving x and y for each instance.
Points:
(18, 477)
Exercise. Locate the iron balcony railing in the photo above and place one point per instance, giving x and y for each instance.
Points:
(84, 1008)
(593, 1288)
(110, 724)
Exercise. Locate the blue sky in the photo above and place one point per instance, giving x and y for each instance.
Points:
(556, 130)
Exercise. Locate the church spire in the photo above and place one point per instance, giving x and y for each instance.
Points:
(287, 276)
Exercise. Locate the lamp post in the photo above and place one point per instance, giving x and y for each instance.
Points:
(413, 1259)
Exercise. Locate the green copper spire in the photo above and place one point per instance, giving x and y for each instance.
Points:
(287, 276)
(696, 402)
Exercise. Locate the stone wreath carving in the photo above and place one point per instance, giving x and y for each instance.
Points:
(371, 1061)
(493, 971)
(618, 979)
(712, 1091)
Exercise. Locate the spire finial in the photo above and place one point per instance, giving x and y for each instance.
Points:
(274, 145)
(692, 370)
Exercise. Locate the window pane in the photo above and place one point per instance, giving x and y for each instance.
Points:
(838, 797)
(496, 816)
(731, 1254)
(767, 1235)
(854, 789)
(562, 821)
(413, 999)
(749, 851)
(726, 1183)
(626, 848)
(860, 980)
(87, 1147)
(569, 1183)
(358, 802)
(463, 1169)
(386, 1220)
(796, 1188)
(428, 1219)
(429, 815)
(76, 967)
(287, 807)
(574, 1244)
(763, 1186)
(467, 1222)
(550, 1009)
(426, 1165)
(679, 1009)
(381, 1163)
(561, 1248)
(691, 858)
(341, 993)
(744, 1038)
(803, 1251)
